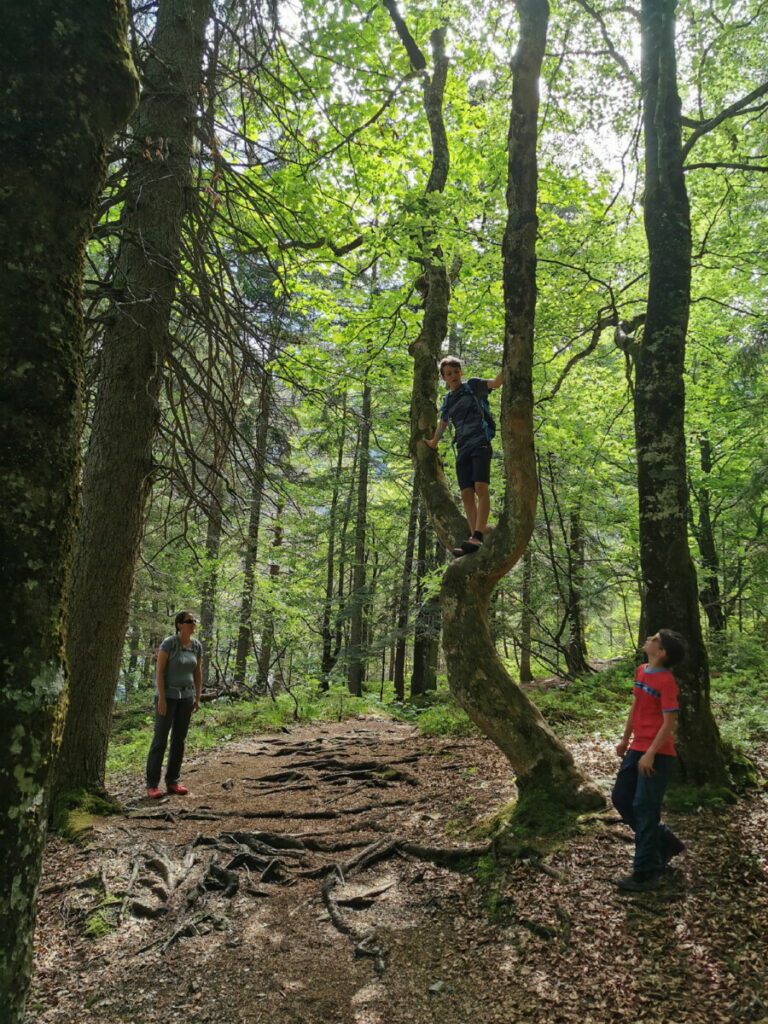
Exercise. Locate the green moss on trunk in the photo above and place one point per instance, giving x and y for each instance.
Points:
(68, 85)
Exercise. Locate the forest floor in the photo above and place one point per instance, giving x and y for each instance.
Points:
(302, 881)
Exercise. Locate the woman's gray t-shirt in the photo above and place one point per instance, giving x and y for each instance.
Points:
(180, 667)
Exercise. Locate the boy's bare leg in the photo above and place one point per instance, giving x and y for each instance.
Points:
(483, 507)
(470, 507)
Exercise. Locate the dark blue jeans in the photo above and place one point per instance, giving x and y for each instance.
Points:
(638, 799)
(176, 722)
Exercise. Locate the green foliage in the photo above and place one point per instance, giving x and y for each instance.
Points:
(435, 714)
(596, 703)
(103, 919)
(690, 798)
(740, 707)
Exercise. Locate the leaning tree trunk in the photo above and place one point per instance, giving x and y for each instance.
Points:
(669, 576)
(546, 774)
(65, 93)
(119, 463)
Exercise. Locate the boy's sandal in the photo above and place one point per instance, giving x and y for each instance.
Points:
(468, 547)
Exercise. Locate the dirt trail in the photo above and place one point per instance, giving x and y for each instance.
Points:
(312, 877)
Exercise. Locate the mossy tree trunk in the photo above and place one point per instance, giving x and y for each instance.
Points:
(546, 774)
(119, 461)
(669, 576)
(68, 86)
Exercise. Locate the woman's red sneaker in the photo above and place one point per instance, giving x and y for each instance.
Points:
(154, 793)
(174, 787)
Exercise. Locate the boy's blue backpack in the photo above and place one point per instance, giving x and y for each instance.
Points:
(483, 406)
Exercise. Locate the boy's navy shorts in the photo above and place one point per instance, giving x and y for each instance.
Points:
(474, 467)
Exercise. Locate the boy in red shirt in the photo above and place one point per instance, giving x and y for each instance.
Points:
(648, 759)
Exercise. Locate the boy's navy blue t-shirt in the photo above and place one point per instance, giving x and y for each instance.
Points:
(461, 409)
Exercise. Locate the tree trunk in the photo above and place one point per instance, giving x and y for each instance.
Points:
(268, 630)
(703, 530)
(210, 583)
(575, 646)
(669, 576)
(356, 659)
(328, 630)
(567, 574)
(398, 674)
(245, 630)
(54, 131)
(526, 618)
(546, 774)
(119, 461)
(427, 628)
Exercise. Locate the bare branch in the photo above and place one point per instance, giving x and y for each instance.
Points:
(737, 108)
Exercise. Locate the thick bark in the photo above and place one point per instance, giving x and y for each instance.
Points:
(545, 770)
(119, 461)
(404, 600)
(65, 93)
(356, 659)
(669, 576)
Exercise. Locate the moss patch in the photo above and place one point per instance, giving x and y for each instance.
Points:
(73, 814)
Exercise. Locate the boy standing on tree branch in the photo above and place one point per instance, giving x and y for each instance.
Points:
(466, 406)
(648, 759)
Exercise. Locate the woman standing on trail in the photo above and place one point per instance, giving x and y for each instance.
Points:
(178, 685)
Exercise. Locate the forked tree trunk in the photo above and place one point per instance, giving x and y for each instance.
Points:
(68, 86)
(546, 774)
(669, 576)
(119, 462)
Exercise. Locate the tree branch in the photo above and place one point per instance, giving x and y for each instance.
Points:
(736, 108)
